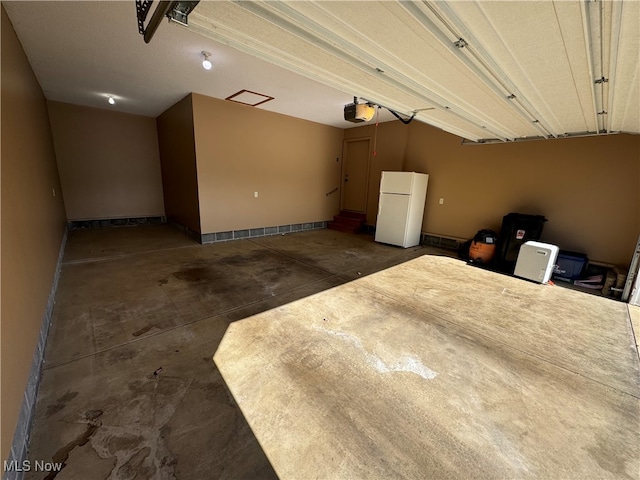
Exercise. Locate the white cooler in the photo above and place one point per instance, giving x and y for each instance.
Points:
(536, 261)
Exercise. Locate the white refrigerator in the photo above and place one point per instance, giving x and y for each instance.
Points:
(400, 208)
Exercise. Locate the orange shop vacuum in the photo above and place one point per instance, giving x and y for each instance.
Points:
(483, 247)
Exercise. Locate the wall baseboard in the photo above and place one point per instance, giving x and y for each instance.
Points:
(216, 237)
(428, 239)
(369, 228)
(441, 242)
(192, 234)
(22, 435)
(116, 222)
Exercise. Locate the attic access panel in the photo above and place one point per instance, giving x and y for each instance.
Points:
(247, 97)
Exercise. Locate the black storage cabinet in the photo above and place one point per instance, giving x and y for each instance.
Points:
(517, 228)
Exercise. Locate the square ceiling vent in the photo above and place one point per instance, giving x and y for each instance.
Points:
(247, 97)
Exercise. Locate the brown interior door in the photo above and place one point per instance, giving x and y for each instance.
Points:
(355, 175)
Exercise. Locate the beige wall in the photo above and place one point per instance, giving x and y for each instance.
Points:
(178, 160)
(108, 161)
(33, 222)
(588, 188)
(390, 148)
(240, 150)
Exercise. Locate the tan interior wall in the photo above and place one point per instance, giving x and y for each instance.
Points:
(291, 163)
(588, 188)
(108, 161)
(390, 146)
(33, 222)
(178, 161)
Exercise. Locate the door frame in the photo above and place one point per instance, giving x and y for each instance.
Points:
(343, 171)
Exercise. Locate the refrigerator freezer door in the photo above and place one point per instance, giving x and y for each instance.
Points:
(392, 219)
(396, 182)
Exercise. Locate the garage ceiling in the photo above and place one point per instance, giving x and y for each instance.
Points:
(486, 71)
(82, 51)
(479, 69)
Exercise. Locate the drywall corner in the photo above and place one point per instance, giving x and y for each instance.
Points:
(178, 163)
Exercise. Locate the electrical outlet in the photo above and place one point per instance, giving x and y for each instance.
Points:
(255, 194)
(441, 201)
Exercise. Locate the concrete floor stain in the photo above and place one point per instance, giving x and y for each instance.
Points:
(249, 258)
(62, 455)
(143, 330)
(196, 274)
(60, 403)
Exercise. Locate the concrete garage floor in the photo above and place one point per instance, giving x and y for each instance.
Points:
(415, 366)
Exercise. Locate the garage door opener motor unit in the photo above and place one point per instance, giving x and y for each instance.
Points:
(358, 112)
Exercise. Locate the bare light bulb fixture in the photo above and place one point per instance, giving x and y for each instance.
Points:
(206, 63)
(111, 100)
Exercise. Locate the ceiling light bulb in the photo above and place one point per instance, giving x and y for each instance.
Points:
(111, 101)
(206, 63)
